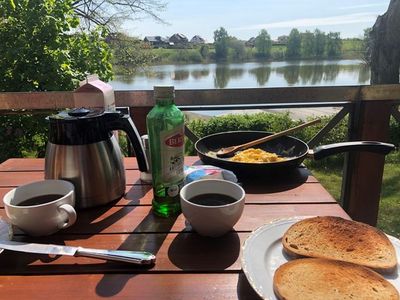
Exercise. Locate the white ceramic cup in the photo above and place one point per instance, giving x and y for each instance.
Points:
(215, 220)
(46, 218)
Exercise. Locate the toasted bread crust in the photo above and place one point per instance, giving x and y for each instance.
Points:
(336, 238)
(315, 278)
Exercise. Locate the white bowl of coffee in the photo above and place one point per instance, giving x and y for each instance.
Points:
(212, 206)
(42, 207)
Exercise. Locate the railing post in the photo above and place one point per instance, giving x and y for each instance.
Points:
(363, 172)
(138, 115)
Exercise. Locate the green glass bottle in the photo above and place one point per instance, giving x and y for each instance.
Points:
(165, 128)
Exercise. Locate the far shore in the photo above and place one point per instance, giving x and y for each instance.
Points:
(296, 114)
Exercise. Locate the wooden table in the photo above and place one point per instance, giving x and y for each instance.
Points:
(188, 266)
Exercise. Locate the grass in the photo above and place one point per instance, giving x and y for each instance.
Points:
(389, 207)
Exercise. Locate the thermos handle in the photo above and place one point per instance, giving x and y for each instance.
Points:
(119, 121)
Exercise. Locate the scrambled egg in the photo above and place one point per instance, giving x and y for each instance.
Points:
(253, 155)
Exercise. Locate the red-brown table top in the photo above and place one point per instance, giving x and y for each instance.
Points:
(188, 266)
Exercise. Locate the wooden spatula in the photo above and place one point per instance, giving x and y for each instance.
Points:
(229, 151)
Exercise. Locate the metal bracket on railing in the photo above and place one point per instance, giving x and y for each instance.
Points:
(396, 113)
(328, 127)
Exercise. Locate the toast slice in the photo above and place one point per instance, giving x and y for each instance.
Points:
(316, 278)
(336, 238)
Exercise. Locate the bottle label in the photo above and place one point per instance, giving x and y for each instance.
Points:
(170, 191)
(172, 156)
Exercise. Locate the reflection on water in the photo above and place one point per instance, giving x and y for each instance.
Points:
(290, 73)
(221, 76)
(247, 75)
(197, 74)
(311, 74)
(262, 74)
(364, 73)
(224, 73)
(154, 74)
(181, 75)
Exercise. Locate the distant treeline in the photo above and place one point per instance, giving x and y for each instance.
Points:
(130, 52)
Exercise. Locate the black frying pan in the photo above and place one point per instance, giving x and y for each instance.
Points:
(293, 149)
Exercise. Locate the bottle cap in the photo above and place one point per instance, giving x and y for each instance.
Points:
(162, 92)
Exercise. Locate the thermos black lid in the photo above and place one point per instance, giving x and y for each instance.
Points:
(80, 126)
(79, 112)
(76, 115)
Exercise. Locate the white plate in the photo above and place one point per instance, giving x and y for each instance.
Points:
(262, 254)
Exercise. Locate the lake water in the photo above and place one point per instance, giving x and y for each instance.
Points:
(247, 75)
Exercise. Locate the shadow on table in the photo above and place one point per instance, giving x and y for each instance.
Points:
(108, 286)
(295, 176)
(192, 252)
(244, 289)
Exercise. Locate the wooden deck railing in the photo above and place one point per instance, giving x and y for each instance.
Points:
(369, 108)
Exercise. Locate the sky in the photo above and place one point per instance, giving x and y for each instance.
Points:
(244, 19)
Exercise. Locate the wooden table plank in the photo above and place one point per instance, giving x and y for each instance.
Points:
(129, 286)
(14, 179)
(31, 165)
(37, 164)
(284, 193)
(140, 219)
(22, 164)
(267, 194)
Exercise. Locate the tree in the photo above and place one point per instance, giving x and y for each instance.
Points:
(238, 50)
(129, 53)
(366, 46)
(307, 44)
(221, 39)
(333, 44)
(204, 51)
(263, 44)
(294, 44)
(38, 51)
(384, 46)
(319, 43)
(109, 13)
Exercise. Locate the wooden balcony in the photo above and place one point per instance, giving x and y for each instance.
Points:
(369, 109)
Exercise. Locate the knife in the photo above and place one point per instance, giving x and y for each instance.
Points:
(135, 257)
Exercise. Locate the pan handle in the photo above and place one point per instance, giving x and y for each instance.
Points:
(368, 146)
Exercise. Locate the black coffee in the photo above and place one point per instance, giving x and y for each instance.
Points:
(212, 199)
(40, 200)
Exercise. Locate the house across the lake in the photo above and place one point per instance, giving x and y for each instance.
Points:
(251, 42)
(157, 41)
(282, 40)
(197, 40)
(178, 39)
